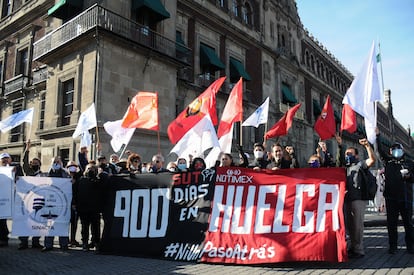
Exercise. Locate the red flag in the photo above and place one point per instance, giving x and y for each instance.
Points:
(233, 111)
(325, 124)
(142, 112)
(282, 126)
(348, 121)
(195, 111)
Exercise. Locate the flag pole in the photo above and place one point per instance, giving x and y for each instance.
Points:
(380, 61)
(241, 134)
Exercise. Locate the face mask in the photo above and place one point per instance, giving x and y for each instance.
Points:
(397, 153)
(182, 166)
(56, 166)
(172, 169)
(35, 167)
(103, 165)
(349, 159)
(314, 164)
(154, 168)
(144, 170)
(258, 154)
(199, 166)
(72, 169)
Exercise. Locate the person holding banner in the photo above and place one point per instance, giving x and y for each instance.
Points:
(4, 231)
(31, 168)
(278, 158)
(354, 204)
(260, 161)
(57, 171)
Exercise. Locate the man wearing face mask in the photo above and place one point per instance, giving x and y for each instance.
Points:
(31, 168)
(354, 205)
(398, 193)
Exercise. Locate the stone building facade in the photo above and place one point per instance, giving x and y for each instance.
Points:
(61, 56)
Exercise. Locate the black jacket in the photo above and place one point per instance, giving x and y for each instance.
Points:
(396, 187)
(88, 195)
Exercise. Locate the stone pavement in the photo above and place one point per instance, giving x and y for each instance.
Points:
(376, 261)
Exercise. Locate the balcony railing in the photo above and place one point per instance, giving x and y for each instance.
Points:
(15, 84)
(39, 75)
(99, 17)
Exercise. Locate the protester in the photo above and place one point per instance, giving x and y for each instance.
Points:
(83, 158)
(4, 231)
(172, 167)
(326, 157)
(398, 193)
(134, 164)
(158, 164)
(278, 160)
(226, 160)
(198, 164)
(88, 201)
(182, 164)
(354, 204)
(57, 171)
(314, 161)
(260, 161)
(106, 167)
(75, 174)
(291, 156)
(31, 168)
(122, 166)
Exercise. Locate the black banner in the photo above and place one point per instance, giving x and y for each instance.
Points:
(158, 215)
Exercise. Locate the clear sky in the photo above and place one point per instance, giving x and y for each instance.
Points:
(348, 27)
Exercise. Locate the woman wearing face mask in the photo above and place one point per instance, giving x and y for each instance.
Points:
(198, 164)
(314, 161)
(398, 193)
(182, 164)
(260, 161)
(75, 174)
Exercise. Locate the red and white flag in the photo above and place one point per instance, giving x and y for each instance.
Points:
(142, 112)
(348, 121)
(204, 104)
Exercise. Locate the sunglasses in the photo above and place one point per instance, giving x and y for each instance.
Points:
(135, 160)
(156, 161)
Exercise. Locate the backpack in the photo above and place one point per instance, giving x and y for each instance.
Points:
(368, 184)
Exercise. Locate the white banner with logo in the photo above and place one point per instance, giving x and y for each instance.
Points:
(6, 191)
(42, 206)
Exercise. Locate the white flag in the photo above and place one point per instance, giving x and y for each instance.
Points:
(16, 119)
(363, 93)
(198, 139)
(87, 120)
(259, 116)
(119, 134)
(86, 139)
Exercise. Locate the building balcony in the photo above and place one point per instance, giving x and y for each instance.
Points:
(97, 18)
(15, 84)
(39, 75)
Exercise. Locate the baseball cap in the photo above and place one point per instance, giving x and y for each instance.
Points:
(4, 155)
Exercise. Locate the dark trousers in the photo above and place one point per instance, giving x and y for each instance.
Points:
(74, 217)
(92, 221)
(4, 231)
(394, 209)
(25, 241)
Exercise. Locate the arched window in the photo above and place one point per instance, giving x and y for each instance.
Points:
(312, 64)
(307, 61)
